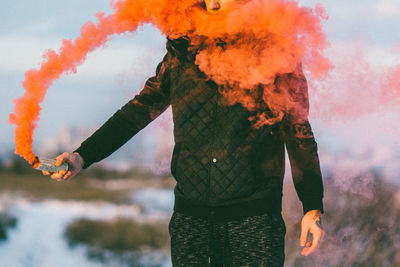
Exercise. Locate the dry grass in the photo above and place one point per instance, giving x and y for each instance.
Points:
(37, 187)
(87, 186)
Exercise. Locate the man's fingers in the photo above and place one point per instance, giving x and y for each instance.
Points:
(61, 159)
(67, 175)
(58, 175)
(314, 245)
(45, 173)
(61, 175)
(303, 235)
(74, 161)
(308, 250)
(305, 250)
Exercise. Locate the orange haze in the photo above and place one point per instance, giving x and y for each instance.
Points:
(262, 38)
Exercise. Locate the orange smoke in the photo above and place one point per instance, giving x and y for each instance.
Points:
(71, 54)
(391, 87)
(261, 39)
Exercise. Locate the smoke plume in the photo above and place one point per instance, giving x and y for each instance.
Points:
(261, 39)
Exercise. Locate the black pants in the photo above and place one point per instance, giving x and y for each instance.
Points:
(252, 241)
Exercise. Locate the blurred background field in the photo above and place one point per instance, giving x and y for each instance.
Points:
(106, 218)
(100, 218)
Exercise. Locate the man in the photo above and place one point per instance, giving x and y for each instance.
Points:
(229, 173)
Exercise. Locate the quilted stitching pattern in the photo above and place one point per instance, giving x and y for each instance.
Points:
(218, 158)
(205, 130)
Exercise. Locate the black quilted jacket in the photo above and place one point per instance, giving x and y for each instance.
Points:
(218, 158)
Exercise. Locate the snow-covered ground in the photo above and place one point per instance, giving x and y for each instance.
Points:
(38, 240)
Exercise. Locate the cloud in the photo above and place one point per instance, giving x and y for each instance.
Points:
(387, 8)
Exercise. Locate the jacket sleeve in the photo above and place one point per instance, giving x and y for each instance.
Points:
(300, 142)
(131, 118)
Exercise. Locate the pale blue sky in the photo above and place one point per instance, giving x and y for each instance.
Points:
(109, 77)
(112, 75)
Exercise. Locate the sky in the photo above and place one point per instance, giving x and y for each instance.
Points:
(109, 78)
(357, 29)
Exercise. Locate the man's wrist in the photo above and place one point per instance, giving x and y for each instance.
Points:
(81, 160)
(313, 203)
(314, 214)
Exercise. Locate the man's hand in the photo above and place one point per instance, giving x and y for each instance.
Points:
(311, 223)
(75, 163)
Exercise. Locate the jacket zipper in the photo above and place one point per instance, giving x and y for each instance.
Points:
(211, 156)
(211, 152)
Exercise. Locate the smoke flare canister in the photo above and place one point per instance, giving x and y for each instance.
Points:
(43, 164)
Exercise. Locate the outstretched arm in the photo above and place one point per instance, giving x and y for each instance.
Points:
(303, 156)
(131, 118)
(123, 125)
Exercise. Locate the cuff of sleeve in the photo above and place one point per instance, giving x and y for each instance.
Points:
(86, 159)
(313, 204)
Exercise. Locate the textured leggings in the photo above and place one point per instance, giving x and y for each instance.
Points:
(252, 241)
